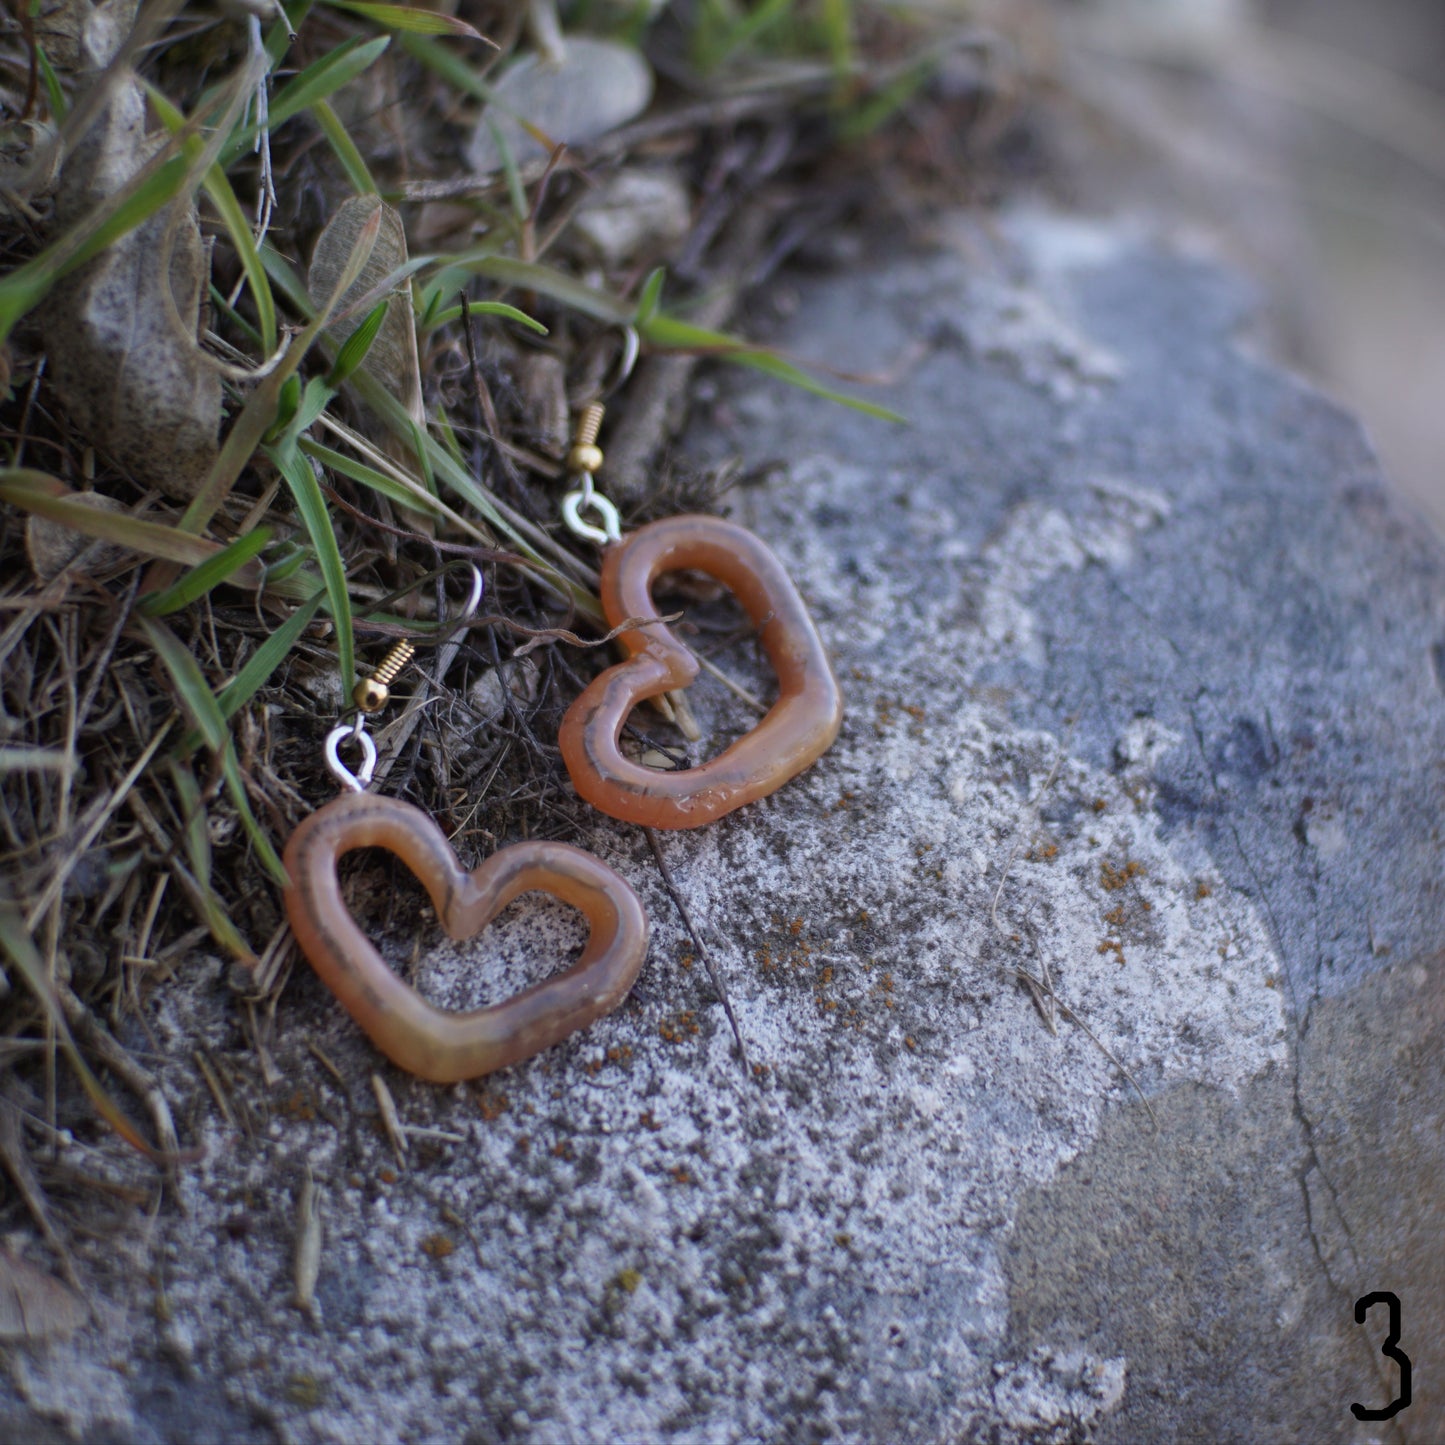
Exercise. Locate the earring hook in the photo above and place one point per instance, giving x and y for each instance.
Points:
(474, 600)
(631, 349)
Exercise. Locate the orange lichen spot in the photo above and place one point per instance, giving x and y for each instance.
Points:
(619, 1054)
(562, 1149)
(910, 1041)
(914, 711)
(1111, 945)
(438, 1246)
(1099, 805)
(298, 1106)
(679, 1174)
(759, 1070)
(1113, 879)
(649, 1122)
(686, 961)
(1202, 889)
(827, 975)
(493, 1104)
(1043, 852)
(675, 1031)
(795, 927)
(524, 1143)
(862, 915)
(387, 1176)
(842, 1239)
(1115, 917)
(1271, 982)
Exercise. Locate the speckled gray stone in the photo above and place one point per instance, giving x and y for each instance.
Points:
(1144, 678)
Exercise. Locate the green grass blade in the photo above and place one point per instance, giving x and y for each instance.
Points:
(311, 504)
(236, 787)
(353, 350)
(415, 498)
(450, 68)
(193, 815)
(649, 302)
(26, 286)
(224, 308)
(54, 94)
(533, 276)
(319, 81)
(411, 20)
(392, 414)
(267, 658)
(323, 78)
(339, 138)
(259, 412)
(206, 575)
(47, 496)
(285, 278)
(837, 23)
(175, 168)
(204, 710)
(861, 120)
(667, 333)
(516, 188)
(196, 697)
(238, 228)
(486, 308)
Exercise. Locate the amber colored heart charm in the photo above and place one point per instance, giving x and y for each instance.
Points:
(794, 734)
(434, 1043)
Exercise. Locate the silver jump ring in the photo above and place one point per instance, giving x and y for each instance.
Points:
(611, 528)
(353, 782)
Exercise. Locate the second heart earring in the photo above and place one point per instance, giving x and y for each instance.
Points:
(436, 1044)
(796, 731)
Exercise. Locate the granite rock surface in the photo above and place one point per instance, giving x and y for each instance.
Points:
(1096, 976)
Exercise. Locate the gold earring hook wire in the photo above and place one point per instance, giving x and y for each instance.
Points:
(585, 458)
(372, 693)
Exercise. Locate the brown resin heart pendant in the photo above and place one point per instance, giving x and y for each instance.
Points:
(794, 734)
(433, 1043)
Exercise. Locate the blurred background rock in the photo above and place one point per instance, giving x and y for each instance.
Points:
(1307, 137)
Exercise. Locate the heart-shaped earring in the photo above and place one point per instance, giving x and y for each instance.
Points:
(436, 1044)
(433, 1043)
(796, 731)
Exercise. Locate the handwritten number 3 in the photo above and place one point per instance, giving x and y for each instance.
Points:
(1363, 1305)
